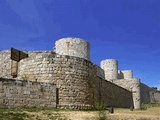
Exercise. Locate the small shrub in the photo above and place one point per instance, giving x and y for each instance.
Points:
(101, 107)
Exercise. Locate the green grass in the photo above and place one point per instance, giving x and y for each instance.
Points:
(26, 113)
(146, 106)
(11, 115)
(44, 113)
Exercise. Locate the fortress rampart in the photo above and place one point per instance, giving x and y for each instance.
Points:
(113, 95)
(5, 64)
(20, 93)
(79, 83)
(132, 85)
(149, 95)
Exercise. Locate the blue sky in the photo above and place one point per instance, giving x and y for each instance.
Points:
(126, 30)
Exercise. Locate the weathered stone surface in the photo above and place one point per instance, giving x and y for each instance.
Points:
(73, 47)
(18, 93)
(113, 95)
(78, 82)
(149, 95)
(110, 67)
(132, 85)
(5, 64)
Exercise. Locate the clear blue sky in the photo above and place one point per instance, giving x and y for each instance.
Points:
(126, 30)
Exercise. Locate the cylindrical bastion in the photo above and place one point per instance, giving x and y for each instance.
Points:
(110, 67)
(73, 47)
(135, 88)
(127, 74)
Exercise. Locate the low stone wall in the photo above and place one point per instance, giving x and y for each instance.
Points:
(132, 85)
(19, 93)
(113, 95)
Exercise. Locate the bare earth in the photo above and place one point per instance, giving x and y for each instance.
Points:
(119, 114)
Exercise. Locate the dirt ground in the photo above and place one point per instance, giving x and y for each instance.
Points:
(152, 113)
(119, 114)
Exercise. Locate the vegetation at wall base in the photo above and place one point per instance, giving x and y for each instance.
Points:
(26, 113)
(45, 113)
(146, 106)
(101, 107)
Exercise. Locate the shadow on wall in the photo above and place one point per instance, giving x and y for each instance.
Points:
(145, 93)
(113, 95)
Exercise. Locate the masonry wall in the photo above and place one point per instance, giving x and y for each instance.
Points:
(145, 93)
(113, 95)
(100, 72)
(131, 85)
(39, 66)
(20, 93)
(73, 47)
(78, 81)
(5, 64)
(149, 95)
(74, 77)
(154, 96)
(110, 67)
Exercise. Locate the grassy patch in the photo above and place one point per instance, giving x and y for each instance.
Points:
(44, 113)
(146, 106)
(13, 115)
(31, 114)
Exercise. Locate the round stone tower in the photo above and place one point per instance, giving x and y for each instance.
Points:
(110, 67)
(135, 88)
(73, 47)
(127, 74)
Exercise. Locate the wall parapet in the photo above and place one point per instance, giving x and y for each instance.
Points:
(100, 72)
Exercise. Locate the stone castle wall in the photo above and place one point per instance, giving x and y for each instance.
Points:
(5, 64)
(145, 93)
(39, 66)
(154, 96)
(132, 85)
(100, 72)
(79, 83)
(74, 77)
(149, 95)
(113, 95)
(20, 93)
